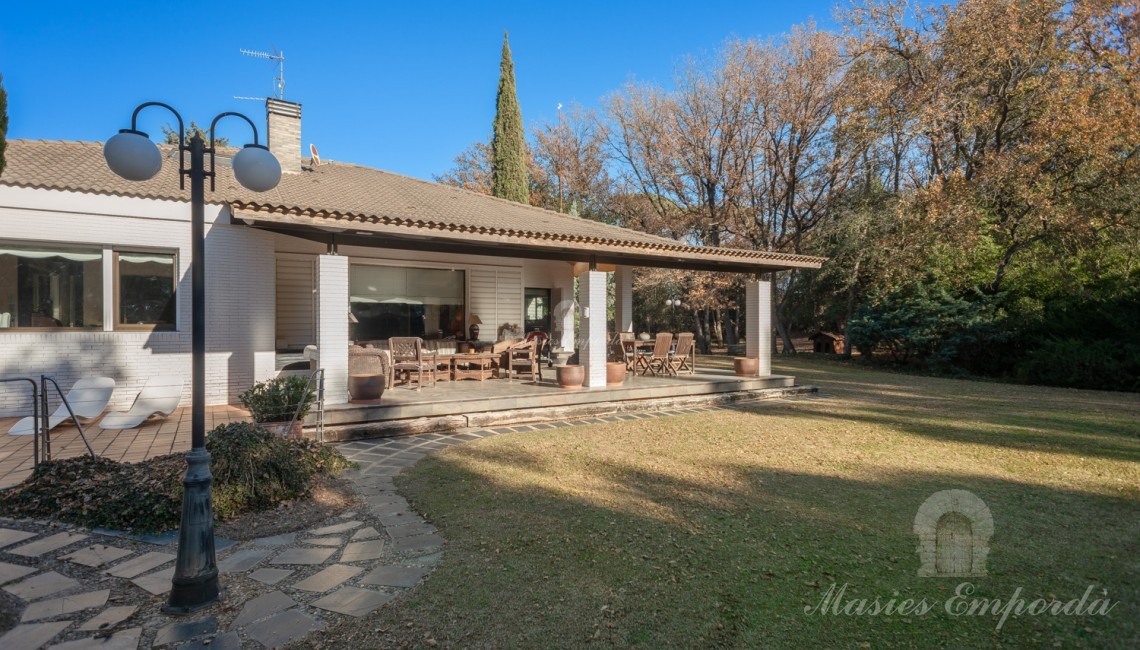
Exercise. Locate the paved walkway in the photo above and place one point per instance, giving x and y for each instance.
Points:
(85, 590)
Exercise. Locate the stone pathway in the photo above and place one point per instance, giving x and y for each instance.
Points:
(86, 590)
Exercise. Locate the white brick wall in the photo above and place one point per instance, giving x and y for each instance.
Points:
(332, 325)
(758, 314)
(592, 300)
(239, 298)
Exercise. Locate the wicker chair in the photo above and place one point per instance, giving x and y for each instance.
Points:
(410, 358)
(369, 361)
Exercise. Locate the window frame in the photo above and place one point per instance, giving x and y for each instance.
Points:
(116, 284)
(46, 246)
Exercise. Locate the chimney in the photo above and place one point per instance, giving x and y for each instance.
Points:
(283, 134)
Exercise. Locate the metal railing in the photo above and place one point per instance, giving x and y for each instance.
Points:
(41, 436)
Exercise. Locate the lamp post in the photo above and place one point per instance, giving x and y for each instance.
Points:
(132, 155)
(672, 303)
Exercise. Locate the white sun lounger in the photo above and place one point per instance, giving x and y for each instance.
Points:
(160, 396)
(87, 397)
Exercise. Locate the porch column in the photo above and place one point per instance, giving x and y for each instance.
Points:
(592, 351)
(332, 325)
(623, 298)
(758, 311)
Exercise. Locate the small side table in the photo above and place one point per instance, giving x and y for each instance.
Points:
(473, 366)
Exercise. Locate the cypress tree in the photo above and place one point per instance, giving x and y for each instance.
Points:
(508, 144)
(3, 122)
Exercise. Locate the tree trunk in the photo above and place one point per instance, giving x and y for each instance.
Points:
(706, 331)
(782, 331)
(850, 308)
(730, 336)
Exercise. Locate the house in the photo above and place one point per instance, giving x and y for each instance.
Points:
(827, 342)
(94, 269)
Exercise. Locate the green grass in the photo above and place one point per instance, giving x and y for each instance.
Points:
(718, 529)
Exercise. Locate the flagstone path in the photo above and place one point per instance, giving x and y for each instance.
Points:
(86, 590)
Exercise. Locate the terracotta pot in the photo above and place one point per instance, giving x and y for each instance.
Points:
(365, 387)
(615, 373)
(746, 367)
(570, 376)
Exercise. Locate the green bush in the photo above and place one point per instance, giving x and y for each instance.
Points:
(1097, 365)
(253, 470)
(929, 327)
(276, 400)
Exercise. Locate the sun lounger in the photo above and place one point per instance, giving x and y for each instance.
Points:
(87, 397)
(160, 396)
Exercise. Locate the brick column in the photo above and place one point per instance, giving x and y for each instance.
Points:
(592, 336)
(332, 325)
(623, 298)
(758, 310)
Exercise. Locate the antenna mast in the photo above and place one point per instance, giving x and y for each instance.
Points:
(279, 57)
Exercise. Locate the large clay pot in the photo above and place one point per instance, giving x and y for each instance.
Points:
(570, 376)
(746, 367)
(615, 373)
(365, 387)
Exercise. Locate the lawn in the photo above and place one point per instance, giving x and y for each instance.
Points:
(722, 528)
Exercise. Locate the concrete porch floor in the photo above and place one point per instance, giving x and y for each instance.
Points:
(455, 405)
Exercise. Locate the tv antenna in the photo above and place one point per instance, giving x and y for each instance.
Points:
(279, 58)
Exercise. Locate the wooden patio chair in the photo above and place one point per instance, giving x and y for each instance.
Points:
(683, 358)
(628, 343)
(523, 358)
(409, 356)
(657, 362)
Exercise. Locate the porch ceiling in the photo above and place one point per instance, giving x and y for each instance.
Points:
(351, 230)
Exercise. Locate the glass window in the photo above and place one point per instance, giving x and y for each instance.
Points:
(387, 302)
(537, 310)
(146, 290)
(50, 287)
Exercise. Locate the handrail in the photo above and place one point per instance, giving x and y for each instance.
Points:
(35, 416)
(320, 402)
(45, 379)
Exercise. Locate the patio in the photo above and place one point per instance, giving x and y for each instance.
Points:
(448, 406)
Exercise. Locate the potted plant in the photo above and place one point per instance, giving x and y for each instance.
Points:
(615, 364)
(274, 402)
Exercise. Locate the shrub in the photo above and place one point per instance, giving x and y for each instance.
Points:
(928, 326)
(253, 470)
(276, 400)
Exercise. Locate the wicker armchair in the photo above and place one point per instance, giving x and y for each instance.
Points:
(370, 361)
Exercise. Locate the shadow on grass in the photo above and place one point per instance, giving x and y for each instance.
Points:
(572, 549)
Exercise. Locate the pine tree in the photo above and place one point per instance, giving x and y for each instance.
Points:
(3, 122)
(508, 144)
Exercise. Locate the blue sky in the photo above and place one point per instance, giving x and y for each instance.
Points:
(399, 86)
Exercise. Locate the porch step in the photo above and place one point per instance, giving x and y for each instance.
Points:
(485, 418)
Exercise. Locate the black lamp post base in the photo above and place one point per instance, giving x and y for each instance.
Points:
(195, 583)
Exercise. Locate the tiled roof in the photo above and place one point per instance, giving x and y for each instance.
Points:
(362, 198)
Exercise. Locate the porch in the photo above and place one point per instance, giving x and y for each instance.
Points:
(449, 406)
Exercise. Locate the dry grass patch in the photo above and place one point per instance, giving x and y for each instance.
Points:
(718, 529)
